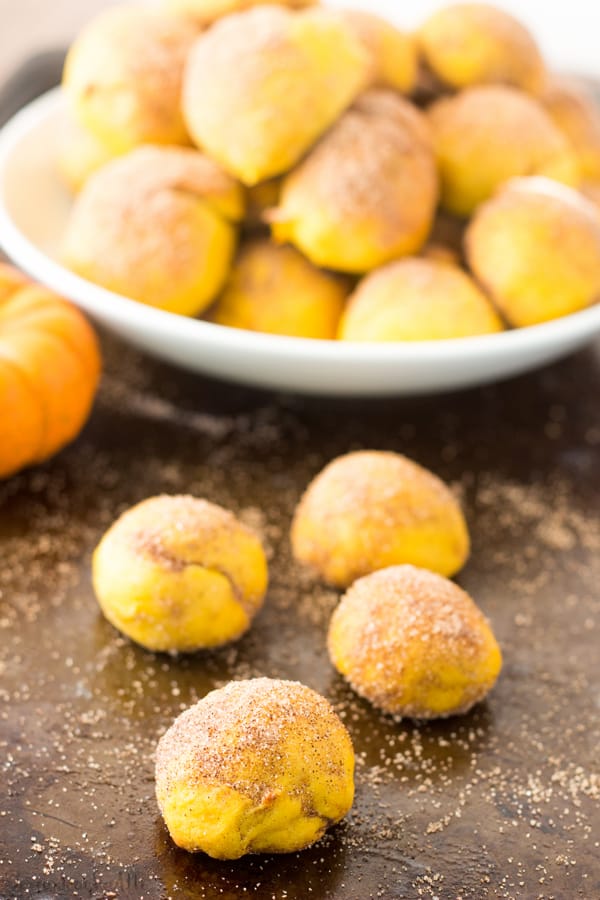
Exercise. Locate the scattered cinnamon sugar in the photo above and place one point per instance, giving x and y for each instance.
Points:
(501, 803)
(215, 741)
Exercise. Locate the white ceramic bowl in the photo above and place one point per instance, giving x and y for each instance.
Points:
(33, 209)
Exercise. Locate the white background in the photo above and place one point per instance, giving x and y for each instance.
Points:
(568, 30)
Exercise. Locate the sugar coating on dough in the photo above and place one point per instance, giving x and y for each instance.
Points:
(555, 190)
(575, 111)
(371, 509)
(275, 290)
(123, 77)
(416, 299)
(178, 574)
(258, 766)
(156, 225)
(393, 53)
(367, 192)
(261, 86)
(465, 44)
(79, 154)
(413, 643)
(488, 134)
(535, 247)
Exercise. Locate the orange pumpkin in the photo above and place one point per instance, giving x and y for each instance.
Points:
(49, 371)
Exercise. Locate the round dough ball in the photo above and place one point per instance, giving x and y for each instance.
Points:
(417, 300)
(367, 192)
(276, 290)
(206, 11)
(260, 766)
(486, 135)
(392, 52)
(179, 574)
(80, 154)
(536, 249)
(369, 510)
(413, 644)
(466, 44)
(576, 113)
(156, 225)
(123, 77)
(261, 86)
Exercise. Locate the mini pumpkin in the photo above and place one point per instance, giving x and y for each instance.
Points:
(49, 370)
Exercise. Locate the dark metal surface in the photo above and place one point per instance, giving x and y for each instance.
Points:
(500, 803)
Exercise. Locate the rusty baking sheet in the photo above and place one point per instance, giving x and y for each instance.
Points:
(500, 803)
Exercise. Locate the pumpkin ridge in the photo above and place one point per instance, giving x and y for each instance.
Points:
(32, 325)
(37, 314)
(25, 457)
(49, 368)
(59, 434)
